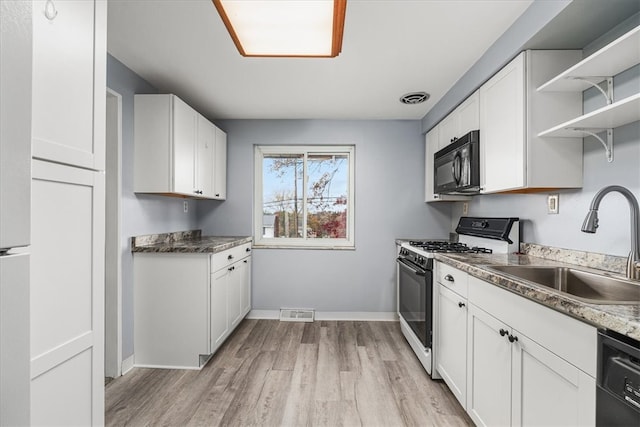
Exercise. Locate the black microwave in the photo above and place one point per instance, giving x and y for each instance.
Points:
(456, 168)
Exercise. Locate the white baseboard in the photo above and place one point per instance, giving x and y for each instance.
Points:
(127, 364)
(378, 316)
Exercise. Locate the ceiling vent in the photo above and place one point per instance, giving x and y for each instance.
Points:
(414, 98)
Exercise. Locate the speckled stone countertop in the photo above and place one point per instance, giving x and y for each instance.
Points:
(185, 242)
(622, 318)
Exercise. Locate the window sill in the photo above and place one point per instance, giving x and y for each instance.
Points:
(305, 247)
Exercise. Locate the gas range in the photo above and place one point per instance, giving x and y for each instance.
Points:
(415, 265)
(475, 235)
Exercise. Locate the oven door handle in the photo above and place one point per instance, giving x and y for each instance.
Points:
(410, 267)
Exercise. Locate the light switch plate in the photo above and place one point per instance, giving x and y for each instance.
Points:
(465, 208)
(185, 206)
(553, 203)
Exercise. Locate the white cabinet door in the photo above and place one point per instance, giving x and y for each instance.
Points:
(469, 114)
(448, 130)
(548, 390)
(245, 289)
(220, 168)
(462, 120)
(64, 98)
(234, 294)
(205, 157)
(219, 318)
(489, 368)
(184, 148)
(502, 127)
(451, 357)
(67, 295)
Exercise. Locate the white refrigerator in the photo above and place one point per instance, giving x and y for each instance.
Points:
(15, 203)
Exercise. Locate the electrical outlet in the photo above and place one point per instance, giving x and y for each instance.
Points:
(553, 203)
(465, 208)
(185, 206)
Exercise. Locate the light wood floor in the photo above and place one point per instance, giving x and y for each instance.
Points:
(272, 373)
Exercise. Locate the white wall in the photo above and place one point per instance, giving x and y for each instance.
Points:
(389, 174)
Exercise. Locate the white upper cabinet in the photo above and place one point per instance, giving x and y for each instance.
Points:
(593, 71)
(462, 120)
(512, 114)
(177, 150)
(64, 98)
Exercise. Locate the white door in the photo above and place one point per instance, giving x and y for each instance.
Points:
(63, 82)
(234, 293)
(502, 128)
(245, 289)
(67, 295)
(489, 367)
(218, 314)
(205, 157)
(184, 147)
(220, 180)
(452, 342)
(548, 390)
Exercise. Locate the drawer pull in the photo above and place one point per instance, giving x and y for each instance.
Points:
(448, 278)
(461, 304)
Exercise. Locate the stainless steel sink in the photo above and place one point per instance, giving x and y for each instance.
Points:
(589, 287)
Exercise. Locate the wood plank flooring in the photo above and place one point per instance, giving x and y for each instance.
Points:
(272, 373)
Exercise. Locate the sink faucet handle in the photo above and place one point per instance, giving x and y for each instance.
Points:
(633, 266)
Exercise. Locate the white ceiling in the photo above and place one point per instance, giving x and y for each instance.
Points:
(389, 48)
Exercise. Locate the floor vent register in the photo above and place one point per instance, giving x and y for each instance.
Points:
(297, 315)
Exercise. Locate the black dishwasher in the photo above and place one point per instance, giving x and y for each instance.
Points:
(618, 390)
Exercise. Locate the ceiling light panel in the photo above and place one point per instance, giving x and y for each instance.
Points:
(284, 27)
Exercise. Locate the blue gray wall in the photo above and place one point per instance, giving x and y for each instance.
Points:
(563, 230)
(389, 203)
(141, 214)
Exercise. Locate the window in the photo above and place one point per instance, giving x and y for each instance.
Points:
(304, 196)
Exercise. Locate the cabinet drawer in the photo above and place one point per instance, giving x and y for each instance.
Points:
(228, 257)
(452, 278)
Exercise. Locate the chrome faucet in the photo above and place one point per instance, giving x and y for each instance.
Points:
(590, 225)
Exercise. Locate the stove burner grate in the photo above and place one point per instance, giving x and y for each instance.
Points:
(442, 246)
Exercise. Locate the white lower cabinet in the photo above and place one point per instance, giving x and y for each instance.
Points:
(526, 364)
(489, 366)
(187, 304)
(515, 381)
(451, 360)
(230, 297)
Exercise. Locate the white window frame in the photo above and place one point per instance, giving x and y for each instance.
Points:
(303, 242)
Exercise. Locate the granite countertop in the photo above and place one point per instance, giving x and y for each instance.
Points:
(622, 318)
(185, 242)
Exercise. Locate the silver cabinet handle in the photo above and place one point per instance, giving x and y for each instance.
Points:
(50, 11)
(448, 278)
